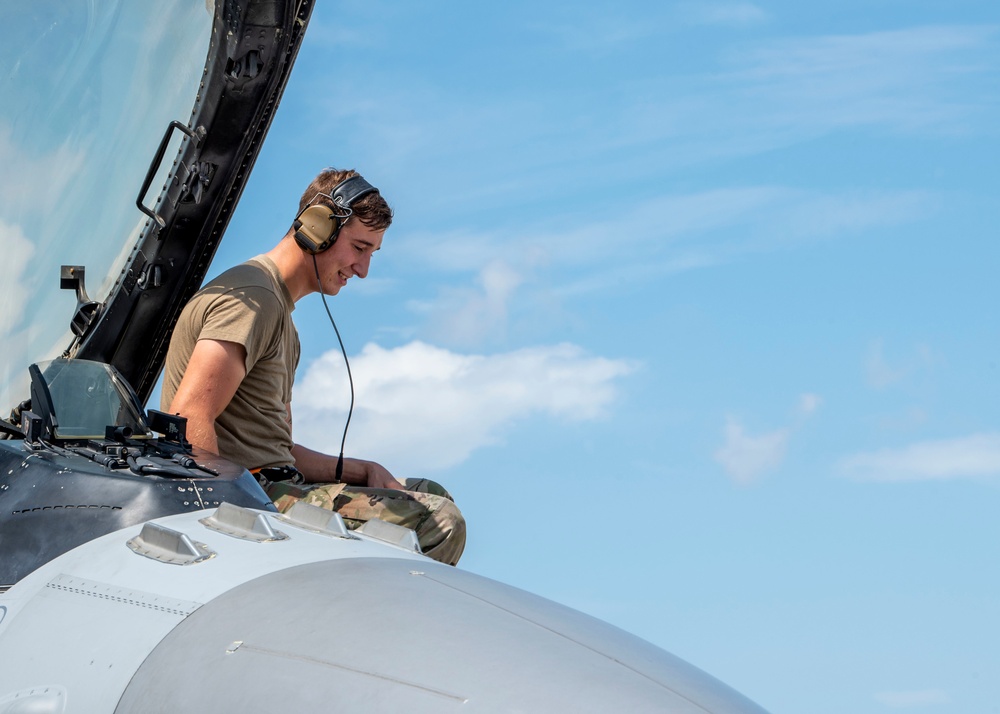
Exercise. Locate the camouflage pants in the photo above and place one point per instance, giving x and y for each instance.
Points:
(424, 507)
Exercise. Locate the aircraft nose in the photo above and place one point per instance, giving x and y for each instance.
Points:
(461, 641)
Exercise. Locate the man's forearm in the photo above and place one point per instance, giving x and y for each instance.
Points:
(318, 467)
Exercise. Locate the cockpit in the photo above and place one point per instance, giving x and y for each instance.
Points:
(87, 460)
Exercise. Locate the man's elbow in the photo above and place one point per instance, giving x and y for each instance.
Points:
(187, 408)
(200, 424)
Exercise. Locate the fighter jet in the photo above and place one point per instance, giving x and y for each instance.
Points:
(138, 574)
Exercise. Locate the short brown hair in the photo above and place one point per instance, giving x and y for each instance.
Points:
(371, 209)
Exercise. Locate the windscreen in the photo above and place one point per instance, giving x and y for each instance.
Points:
(87, 397)
(87, 90)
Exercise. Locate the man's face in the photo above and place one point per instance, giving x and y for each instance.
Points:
(349, 256)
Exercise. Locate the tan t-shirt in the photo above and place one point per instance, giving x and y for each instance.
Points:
(250, 305)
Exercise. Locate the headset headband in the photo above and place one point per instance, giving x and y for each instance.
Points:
(350, 190)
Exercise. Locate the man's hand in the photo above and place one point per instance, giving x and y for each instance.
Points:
(379, 477)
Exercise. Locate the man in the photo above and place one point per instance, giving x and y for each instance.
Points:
(232, 360)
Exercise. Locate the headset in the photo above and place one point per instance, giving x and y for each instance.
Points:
(317, 226)
(316, 229)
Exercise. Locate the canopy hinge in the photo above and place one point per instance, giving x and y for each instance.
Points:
(71, 277)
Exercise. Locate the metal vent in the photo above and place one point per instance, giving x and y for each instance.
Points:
(242, 523)
(316, 519)
(392, 534)
(169, 546)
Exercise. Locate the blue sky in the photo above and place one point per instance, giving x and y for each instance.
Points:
(693, 308)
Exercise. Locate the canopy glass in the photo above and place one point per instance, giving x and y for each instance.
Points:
(88, 90)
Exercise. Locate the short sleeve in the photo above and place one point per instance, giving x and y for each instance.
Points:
(248, 316)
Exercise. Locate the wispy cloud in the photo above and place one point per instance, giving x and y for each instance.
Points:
(809, 403)
(893, 58)
(48, 174)
(906, 420)
(599, 30)
(914, 79)
(663, 117)
(722, 13)
(565, 257)
(469, 316)
(747, 457)
(912, 698)
(969, 457)
(672, 225)
(882, 373)
(17, 251)
(919, 82)
(427, 408)
(592, 31)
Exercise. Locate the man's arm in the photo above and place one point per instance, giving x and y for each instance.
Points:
(318, 467)
(213, 375)
(322, 468)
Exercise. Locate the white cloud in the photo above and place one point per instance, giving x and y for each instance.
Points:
(975, 456)
(913, 698)
(425, 408)
(745, 458)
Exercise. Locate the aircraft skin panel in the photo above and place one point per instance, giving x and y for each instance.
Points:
(345, 624)
(84, 637)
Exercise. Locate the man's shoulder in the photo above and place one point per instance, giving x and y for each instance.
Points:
(250, 275)
(247, 283)
(241, 305)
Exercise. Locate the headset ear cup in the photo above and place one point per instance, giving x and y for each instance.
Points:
(316, 228)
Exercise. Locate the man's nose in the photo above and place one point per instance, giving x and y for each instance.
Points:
(361, 267)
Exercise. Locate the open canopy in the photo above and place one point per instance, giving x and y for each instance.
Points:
(106, 103)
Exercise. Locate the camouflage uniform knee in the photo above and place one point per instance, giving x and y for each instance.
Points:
(425, 485)
(442, 535)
